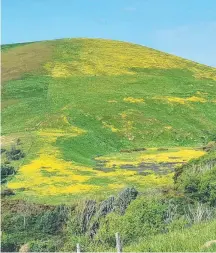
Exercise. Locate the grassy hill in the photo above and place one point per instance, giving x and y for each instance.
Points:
(94, 116)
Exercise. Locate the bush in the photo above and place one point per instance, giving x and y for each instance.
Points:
(52, 221)
(7, 192)
(3, 150)
(142, 218)
(15, 154)
(7, 243)
(42, 227)
(201, 187)
(49, 245)
(197, 180)
(6, 170)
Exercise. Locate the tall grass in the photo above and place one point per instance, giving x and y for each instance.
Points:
(185, 240)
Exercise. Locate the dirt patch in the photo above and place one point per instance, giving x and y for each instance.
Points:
(101, 166)
(24, 59)
(162, 149)
(17, 205)
(8, 140)
(144, 168)
(132, 150)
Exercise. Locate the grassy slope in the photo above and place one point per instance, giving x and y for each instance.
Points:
(185, 240)
(79, 98)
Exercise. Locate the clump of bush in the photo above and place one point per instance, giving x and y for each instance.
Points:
(3, 150)
(7, 192)
(15, 154)
(50, 245)
(6, 170)
(197, 180)
(52, 221)
(10, 155)
(42, 227)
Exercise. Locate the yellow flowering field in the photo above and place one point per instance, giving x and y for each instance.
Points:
(48, 177)
(106, 57)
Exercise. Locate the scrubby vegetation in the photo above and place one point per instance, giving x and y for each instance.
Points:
(197, 179)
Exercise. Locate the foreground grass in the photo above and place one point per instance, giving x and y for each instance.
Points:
(185, 240)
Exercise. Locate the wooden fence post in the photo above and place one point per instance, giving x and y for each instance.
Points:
(118, 243)
(78, 248)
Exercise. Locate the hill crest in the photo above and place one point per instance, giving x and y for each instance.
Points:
(90, 57)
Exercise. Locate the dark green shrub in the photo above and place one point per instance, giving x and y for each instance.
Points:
(142, 218)
(15, 154)
(6, 170)
(3, 150)
(197, 180)
(207, 187)
(200, 186)
(47, 245)
(52, 221)
(7, 192)
(7, 243)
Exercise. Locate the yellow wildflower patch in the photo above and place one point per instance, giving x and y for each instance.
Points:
(133, 100)
(152, 180)
(200, 73)
(58, 125)
(183, 155)
(153, 156)
(49, 175)
(111, 127)
(168, 127)
(32, 171)
(182, 101)
(55, 133)
(196, 99)
(176, 100)
(106, 57)
(58, 69)
(123, 115)
(201, 93)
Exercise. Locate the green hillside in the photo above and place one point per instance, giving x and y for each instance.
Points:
(94, 116)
